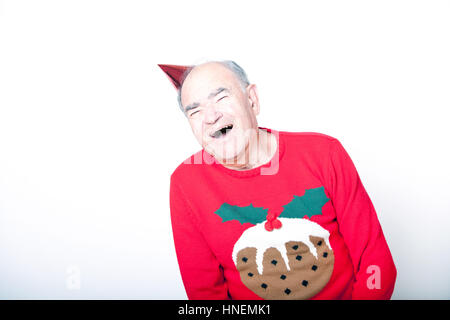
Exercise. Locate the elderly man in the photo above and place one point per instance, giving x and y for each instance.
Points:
(266, 214)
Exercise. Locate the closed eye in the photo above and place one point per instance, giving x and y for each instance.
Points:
(222, 98)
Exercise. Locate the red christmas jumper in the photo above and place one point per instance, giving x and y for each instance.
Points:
(307, 230)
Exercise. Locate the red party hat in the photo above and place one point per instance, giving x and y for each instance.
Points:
(175, 73)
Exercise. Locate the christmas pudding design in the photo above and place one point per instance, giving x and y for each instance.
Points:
(284, 257)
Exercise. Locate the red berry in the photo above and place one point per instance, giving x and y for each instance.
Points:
(268, 226)
(276, 224)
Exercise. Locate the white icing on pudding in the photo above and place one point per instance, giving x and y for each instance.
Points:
(293, 229)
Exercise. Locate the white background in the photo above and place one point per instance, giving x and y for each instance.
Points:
(90, 130)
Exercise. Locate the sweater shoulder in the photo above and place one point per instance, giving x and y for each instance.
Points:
(313, 139)
(311, 146)
(308, 135)
(186, 167)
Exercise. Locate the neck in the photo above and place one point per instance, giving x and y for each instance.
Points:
(260, 149)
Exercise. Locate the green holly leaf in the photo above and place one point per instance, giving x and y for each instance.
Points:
(248, 214)
(310, 204)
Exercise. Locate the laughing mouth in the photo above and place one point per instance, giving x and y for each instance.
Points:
(222, 132)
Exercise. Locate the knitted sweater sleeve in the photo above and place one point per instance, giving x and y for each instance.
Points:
(359, 226)
(201, 273)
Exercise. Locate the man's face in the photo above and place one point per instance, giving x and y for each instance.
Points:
(222, 114)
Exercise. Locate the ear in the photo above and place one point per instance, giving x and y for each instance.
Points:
(253, 98)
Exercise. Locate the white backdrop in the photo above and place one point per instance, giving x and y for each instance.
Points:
(90, 130)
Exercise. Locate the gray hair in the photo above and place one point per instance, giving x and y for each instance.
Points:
(231, 65)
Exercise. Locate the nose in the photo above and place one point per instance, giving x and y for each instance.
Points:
(212, 115)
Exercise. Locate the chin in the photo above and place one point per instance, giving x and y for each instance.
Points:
(226, 153)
